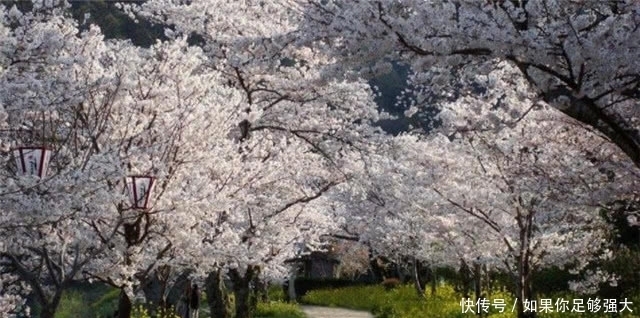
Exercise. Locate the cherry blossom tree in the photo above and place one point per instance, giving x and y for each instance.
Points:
(181, 133)
(553, 199)
(519, 197)
(12, 300)
(110, 110)
(41, 217)
(381, 208)
(577, 56)
(277, 179)
(241, 146)
(297, 129)
(253, 122)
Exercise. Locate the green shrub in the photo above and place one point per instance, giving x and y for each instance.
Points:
(71, 305)
(106, 305)
(77, 303)
(276, 293)
(278, 309)
(139, 311)
(87, 300)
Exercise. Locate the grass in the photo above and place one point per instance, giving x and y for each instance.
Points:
(71, 305)
(90, 300)
(399, 302)
(277, 309)
(403, 302)
(276, 293)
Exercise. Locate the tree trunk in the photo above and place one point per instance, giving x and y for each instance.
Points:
(524, 288)
(291, 288)
(262, 289)
(586, 110)
(246, 298)
(244, 302)
(434, 283)
(416, 280)
(378, 271)
(217, 295)
(523, 283)
(47, 312)
(465, 276)
(155, 288)
(489, 284)
(477, 286)
(48, 309)
(124, 305)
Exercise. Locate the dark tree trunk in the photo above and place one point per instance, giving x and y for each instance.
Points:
(434, 284)
(465, 279)
(477, 280)
(376, 269)
(124, 305)
(49, 308)
(217, 295)
(416, 279)
(523, 284)
(47, 312)
(489, 284)
(263, 290)
(246, 298)
(290, 292)
(176, 291)
(589, 110)
(244, 302)
(616, 127)
(427, 276)
(155, 288)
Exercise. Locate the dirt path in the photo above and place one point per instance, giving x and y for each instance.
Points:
(328, 312)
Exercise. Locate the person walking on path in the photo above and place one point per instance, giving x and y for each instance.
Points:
(194, 301)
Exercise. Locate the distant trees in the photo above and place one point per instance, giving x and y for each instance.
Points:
(519, 199)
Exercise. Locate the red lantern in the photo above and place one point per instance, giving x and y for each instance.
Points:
(32, 161)
(139, 188)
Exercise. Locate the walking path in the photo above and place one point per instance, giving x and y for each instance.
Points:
(328, 312)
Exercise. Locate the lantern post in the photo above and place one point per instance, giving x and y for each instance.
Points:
(33, 161)
(139, 189)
